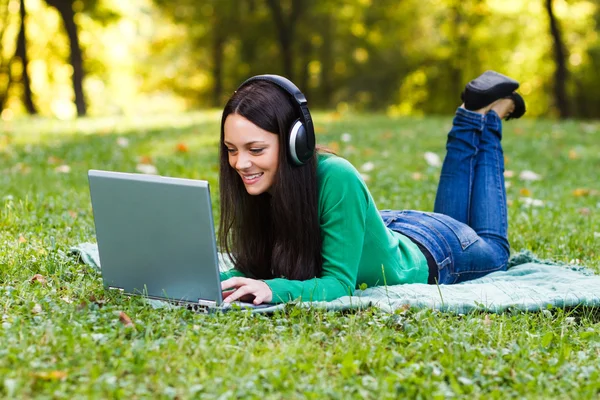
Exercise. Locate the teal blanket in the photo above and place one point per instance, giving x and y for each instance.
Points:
(529, 284)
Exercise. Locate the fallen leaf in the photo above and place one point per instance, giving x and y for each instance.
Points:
(73, 214)
(417, 176)
(529, 176)
(509, 174)
(182, 147)
(584, 211)
(148, 169)
(573, 154)
(145, 160)
(125, 320)
(63, 169)
(81, 306)
(487, 321)
(37, 308)
(54, 160)
(432, 159)
(51, 376)
(525, 192)
(98, 302)
(22, 239)
(580, 192)
(39, 278)
(387, 135)
(369, 152)
(366, 177)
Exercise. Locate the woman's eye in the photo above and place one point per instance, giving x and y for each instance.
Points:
(256, 151)
(230, 151)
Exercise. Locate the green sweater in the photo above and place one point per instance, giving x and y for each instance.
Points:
(357, 247)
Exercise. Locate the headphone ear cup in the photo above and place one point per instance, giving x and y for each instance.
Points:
(299, 147)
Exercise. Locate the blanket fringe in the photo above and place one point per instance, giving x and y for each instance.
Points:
(526, 256)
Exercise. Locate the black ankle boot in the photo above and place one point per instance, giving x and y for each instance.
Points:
(519, 106)
(487, 88)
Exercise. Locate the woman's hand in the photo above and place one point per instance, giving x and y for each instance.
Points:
(244, 289)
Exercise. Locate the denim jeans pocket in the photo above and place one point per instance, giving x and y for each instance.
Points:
(464, 233)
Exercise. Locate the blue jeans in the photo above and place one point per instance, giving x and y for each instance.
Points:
(467, 234)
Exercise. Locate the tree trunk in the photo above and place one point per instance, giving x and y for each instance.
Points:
(218, 41)
(250, 44)
(327, 63)
(4, 63)
(65, 9)
(460, 45)
(4, 93)
(286, 30)
(561, 73)
(21, 52)
(306, 50)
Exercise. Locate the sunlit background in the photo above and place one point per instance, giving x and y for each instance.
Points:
(410, 57)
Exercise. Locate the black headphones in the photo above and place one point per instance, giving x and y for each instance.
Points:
(301, 134)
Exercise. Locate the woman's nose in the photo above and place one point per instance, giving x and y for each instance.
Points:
(243, 162)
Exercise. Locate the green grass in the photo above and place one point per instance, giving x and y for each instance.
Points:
(64, 338)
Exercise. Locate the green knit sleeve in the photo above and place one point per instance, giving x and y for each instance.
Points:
(230, 274)
(343, 204)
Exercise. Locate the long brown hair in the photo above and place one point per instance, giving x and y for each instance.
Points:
(274, 234)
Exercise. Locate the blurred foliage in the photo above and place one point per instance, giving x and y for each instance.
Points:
(409, 57)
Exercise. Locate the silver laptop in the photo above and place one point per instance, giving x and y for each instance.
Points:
(156, 238)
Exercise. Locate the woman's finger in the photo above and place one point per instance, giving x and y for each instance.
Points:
(233, 283)
(242, 291)
(258, 299)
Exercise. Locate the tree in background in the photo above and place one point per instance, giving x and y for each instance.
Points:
(21, 53)
(409, 57)
(560, 59)
(5, 75)
(65, 9)
(286, 20)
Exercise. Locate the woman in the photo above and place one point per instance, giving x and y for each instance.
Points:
(304, 226)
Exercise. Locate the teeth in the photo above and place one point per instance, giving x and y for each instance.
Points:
(253, 176)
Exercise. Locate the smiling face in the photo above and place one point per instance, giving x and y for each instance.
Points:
(252, 152)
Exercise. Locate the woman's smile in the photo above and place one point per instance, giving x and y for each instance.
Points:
(250, 179)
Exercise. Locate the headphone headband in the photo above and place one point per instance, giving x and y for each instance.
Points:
(282, 82)
(288, 86)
